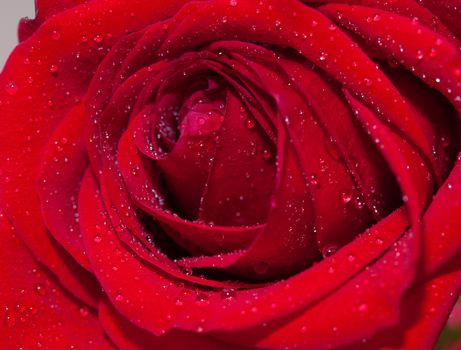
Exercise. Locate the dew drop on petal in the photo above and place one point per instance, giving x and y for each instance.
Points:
(83, 311)
(98, 38)
(250, 124)
(323, 56)
(41, 289)
(228, 294)
(346, 197)
(267, 154)
(202, 300)
(54, 69)
(10, 320)
(314, 181)
(329, 250)
(55, 35)
(11, 88)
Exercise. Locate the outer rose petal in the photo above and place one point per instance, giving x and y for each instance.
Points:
(64, 163)
(448, 11)
(130, 337)
(24, 80)
(36, 311)
(425, 310)
(43, 10)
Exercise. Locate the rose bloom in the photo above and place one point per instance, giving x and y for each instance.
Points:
(231, 174)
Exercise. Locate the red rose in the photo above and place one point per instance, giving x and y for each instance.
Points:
(231, 175)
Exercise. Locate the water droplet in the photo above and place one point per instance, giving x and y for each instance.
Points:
(11, 88)
(323, 56)
(55, 35)
(346, 197)
(267, 154)
(233, 3)
(363, 307)
(228, 294)
(329, 250)
(10, 320)
(432, 53)
(83, 311)
(261, 267)
(314, 181)
(202, 300)
(250, 123)
(119, 297)
(165, 26)
(445, 141)
(379, 241)
(97, 239)
(350, 258)
(368, 82)
(376, 18)
(41, 289)
(54, 69)
(98, 38)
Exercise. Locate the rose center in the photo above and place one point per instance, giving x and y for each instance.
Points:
(215, 161)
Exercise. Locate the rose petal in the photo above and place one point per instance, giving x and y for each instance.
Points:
(441, 224)
(63, 69)
(37, 312)
(192, 308)
(447, 11)
(433, 58)
(407, 8)
(425, 310)
(128, 336)
(369, 302)
(63, 166)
